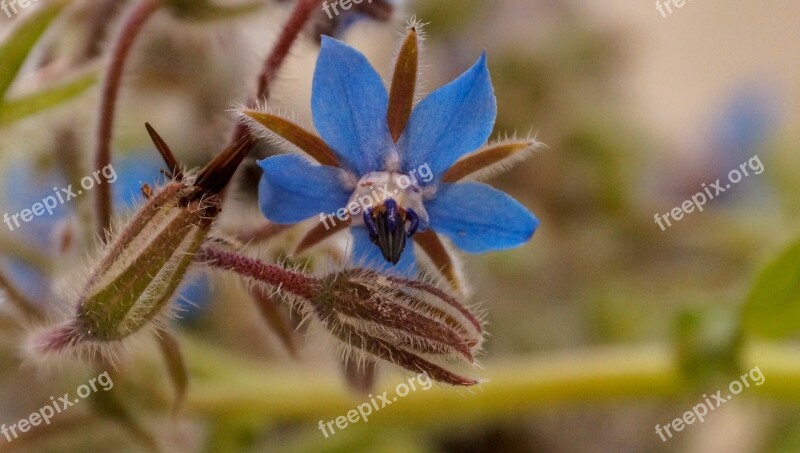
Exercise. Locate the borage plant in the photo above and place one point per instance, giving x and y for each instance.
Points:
(380, 306)
(401, 167)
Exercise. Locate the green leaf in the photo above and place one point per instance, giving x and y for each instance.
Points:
(46, 98)
(772, 309)
(15, 50)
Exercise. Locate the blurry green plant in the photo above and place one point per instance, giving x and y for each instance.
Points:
(772, 309)
(232, 392)
(409, 323)
(14, 51)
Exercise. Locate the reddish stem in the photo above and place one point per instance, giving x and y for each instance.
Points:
(300, 15)
(293, 282)
(297, 21)
(130, 30)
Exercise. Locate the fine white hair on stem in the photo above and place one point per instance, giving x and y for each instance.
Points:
(260, 131)
(503, 165)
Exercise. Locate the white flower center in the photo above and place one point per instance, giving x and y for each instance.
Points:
(373, 189)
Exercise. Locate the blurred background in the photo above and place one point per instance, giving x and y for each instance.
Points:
(601, 328)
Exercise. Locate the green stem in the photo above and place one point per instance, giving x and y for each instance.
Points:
(224, 384)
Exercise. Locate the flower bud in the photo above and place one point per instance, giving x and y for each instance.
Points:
(147, 261)
(406, 322)
(409, 323)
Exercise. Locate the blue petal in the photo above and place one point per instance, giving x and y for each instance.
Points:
(366, 254)
(293, 189)
(38, 184)
(132, 171)
(194, 299)
(30, 280)
(349, 105)
(454, 120)
(478, 218)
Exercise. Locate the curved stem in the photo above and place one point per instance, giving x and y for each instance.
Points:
(130, 30)
(280, 50)
(297, 21)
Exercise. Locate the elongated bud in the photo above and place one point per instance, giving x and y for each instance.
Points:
(142, 268)
(384, 308)
(409, 323)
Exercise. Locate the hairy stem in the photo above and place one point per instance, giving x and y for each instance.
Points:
(131, 27)
(294, 282)
(291, 30)
(297, 21)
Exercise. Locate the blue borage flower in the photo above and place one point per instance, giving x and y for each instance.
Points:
(373, 139)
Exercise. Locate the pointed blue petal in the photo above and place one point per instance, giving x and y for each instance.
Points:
(368, 255)
(479, 218)
(349, 105)
(454, 120)
(293, 189)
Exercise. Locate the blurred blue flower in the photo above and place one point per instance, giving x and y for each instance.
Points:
(745, 122)
(335, 21)
(397, 185)
(132, 171)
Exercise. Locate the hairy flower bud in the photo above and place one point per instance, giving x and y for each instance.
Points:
(406, 322)
(147, 261)
(409, 323)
